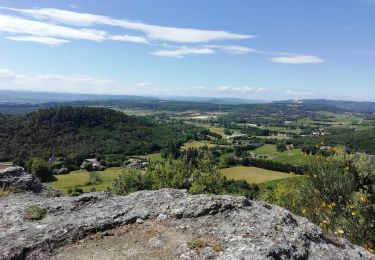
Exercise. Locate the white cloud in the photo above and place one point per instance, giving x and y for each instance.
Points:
(55, 82)
(128, 38)
(298, 93)
(35, 31)
(182, 52)
(5, 73)
(242, 90)
(155, 32)
(297, 59)
(44, 40)
(179, 52)
(233, 49)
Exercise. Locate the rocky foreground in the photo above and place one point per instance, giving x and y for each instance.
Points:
(163, 224)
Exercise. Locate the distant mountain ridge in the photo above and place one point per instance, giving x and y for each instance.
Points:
(26, 101)
(353, 106)
(9, 96)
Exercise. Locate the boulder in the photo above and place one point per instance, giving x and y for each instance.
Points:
(16, 179)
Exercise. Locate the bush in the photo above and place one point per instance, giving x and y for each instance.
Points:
(207, 178)
(242, 188)
(339, 196)
(75, 192)
(130, 180)
(227, 131)
(198, 176)
(35, 212)
(39, 169)
(88, 166)
(281, 147)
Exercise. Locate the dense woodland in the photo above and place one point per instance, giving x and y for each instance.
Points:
(90, 132)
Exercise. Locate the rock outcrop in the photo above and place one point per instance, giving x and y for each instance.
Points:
(162, 224)
(16, 179)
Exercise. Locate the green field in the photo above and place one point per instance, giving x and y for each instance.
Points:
(81, 177)
(253, 174)
(196, 144)
(293, 156)
(154, 157)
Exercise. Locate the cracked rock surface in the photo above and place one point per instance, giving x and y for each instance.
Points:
(162, 224)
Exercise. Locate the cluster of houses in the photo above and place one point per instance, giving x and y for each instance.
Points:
(94, 165)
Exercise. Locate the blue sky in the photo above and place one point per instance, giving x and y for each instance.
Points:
(254, 49)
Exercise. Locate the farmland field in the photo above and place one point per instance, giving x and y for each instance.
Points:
(196, 144)
(253, 174)
(81, 177)
(293, 156)
(155, 157)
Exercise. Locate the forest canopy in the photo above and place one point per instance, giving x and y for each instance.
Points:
(87, 131)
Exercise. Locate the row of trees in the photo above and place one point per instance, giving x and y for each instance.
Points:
(200, 175)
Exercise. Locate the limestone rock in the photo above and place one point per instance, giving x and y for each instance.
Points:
(16, 179)
(162, 224)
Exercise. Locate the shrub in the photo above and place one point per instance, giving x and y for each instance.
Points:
(207, 178)
(242, 188)
(39, 169)
(339, 196)
(35, 212)
(88, 166)
(227, 131)
(130, 180)
(75, 192)
(281, 147)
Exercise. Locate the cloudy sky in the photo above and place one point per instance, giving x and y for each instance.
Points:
(254, 49)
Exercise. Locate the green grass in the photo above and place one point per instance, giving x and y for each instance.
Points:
(35, 212)
(253, 174)
(81, 177)
(281, 129)
(286, 181)
(154, 157)
(196, 144)
(293, 156)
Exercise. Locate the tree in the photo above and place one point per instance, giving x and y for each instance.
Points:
(227, 131)
(281, 147)
(130, 180)
(207, 178)
(39, 169)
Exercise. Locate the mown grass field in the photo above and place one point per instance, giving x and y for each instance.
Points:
(81, 177)
(293, 156)
(196, 144)
(253, 174)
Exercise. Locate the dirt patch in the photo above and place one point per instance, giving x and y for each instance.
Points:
(149, 240)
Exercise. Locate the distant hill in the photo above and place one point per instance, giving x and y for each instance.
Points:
(352, 106)
(217, 101)
(84, 130)
(16, 96)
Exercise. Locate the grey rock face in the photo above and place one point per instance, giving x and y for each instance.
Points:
(243, 229)
(16, 179)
